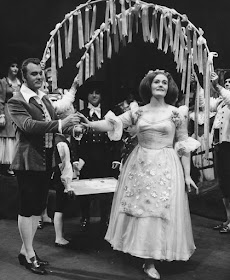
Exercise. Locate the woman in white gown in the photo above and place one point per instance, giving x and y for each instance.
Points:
(150, 215)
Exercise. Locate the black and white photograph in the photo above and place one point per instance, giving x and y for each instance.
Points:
(114, 140)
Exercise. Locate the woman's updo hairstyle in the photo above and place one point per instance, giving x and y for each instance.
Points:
(145, 90)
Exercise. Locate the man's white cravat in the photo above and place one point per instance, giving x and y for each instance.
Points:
(96, 110)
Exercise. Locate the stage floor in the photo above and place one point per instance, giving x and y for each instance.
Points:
(92, 258)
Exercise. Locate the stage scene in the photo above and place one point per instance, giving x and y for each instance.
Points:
(114, 141)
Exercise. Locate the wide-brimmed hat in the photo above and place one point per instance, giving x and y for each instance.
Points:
(89, 86)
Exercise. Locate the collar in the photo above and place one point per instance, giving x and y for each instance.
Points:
(27, 93)
(8, 80)
(96, 110)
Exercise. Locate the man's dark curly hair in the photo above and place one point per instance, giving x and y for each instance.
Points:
(145, 90)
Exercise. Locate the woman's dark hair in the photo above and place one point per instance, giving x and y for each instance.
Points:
(10, 61)
(226, 76)
(26, 62)
(145, 90)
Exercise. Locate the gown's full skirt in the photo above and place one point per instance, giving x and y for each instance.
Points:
(162, 235)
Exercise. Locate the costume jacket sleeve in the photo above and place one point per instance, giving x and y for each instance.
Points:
(28, 118)
(225, 94)
(65, 165)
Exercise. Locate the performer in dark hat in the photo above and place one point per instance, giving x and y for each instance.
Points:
(89, 86)
(226, 76)
(96, 150)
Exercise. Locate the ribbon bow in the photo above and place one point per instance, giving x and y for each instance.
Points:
(96, 110)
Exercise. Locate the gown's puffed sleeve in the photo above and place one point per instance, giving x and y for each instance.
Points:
(183, 143)
(122, 121)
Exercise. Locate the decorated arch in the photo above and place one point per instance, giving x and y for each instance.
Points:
(97, 41)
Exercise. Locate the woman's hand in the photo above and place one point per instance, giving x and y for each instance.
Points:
(189, 182)
(83, 119)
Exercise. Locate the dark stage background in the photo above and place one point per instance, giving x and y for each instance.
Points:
(25, 26)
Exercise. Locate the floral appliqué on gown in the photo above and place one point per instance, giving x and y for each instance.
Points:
(150, 214)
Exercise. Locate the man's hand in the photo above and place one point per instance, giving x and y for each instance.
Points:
(71, 194)
(84, 121)
(43, 64)
(214, 78)
(70, 121)
(75, 83)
